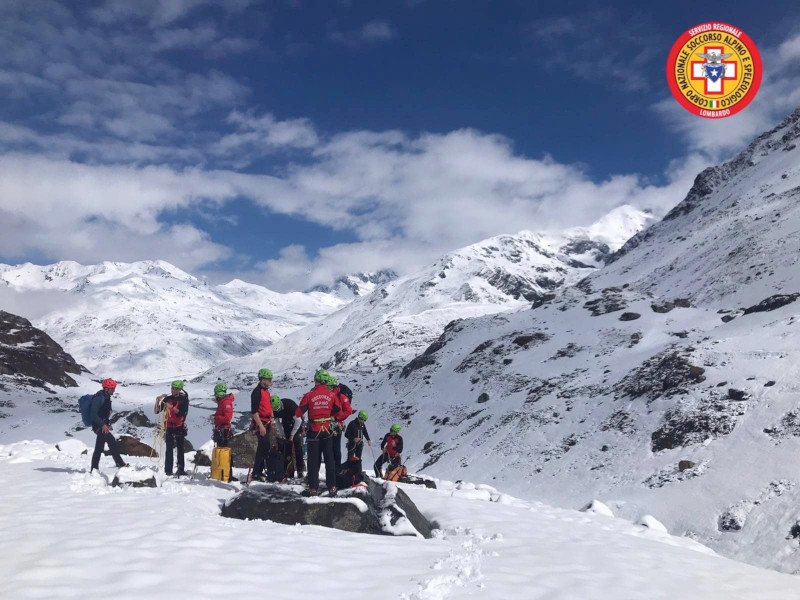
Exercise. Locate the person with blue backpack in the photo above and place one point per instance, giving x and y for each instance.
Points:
(99, 418)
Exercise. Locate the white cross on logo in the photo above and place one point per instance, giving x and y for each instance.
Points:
(699, 71)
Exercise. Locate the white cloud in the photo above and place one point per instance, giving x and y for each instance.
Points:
(66, 210)
(369, 33)
(158, 12)
(377, 31)
(258, 136)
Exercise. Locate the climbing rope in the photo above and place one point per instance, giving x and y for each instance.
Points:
(159, 434)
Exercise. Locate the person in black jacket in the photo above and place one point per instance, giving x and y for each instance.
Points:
(101, 415)
(176, 406)
(355, 434)
(285, 409)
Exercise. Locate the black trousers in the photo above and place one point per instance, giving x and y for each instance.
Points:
(384, 458)
(100, 442)
(175, 437)
(262, 451)
(317, 448)
(336, 442)
(299, 463)
(354, 449)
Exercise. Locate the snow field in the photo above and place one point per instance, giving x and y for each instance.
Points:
(67, 534)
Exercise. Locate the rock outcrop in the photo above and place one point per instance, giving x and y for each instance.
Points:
(378, 508)
(29, 352)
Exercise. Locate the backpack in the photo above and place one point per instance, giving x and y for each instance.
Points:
(85, 404)
(396, 474)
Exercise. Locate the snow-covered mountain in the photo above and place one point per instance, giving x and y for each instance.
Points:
(666, 381)
(402, 317)
(150, 320)
(357, 284)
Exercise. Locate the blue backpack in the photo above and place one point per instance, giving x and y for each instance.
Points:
(85, 404)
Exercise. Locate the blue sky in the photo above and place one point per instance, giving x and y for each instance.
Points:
(287, 143)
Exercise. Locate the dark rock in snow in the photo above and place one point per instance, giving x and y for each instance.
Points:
(414, 480)
(201, 459)
(484, 397)
(137, 418)
(382, 509)
(610, 300)
(769, 384)
(130, 446)
(737, 395)
(731, 520)
(130, 477)
(665, 374)
(685, 465)
(772, 303)
(243, 449)
(685, 425)
(629, 316)
(29, 352)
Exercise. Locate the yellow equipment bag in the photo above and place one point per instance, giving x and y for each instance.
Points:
(221, 464)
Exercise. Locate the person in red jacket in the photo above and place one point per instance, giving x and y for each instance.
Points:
(345, 395)
(322, 404)
(176, 405)
(392, 446)
(222, 418)
(261, 407)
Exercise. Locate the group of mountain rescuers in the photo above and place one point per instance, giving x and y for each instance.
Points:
(279, 454)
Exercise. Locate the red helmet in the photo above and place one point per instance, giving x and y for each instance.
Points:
(110, 384)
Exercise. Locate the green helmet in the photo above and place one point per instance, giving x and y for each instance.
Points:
(395, 428)
(264, 374)
(332, 381)
(276, 402)
(320, 375)
(220, 389)
(362, 414)
(178, 384)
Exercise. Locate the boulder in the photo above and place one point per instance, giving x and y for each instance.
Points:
(737, 395)
(381, 509)
(772, 303)
(596, 507)
(130, 446)
(685, 465)
(484, 397)
(243, 449)
(201, 459)
(414, 480)
(133, 477)
(137, 418)
(629, 316)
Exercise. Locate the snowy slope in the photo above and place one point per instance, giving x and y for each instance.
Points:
(401, 318)
(67, 534)
(149, 320)
(665, 382)
(357, 284)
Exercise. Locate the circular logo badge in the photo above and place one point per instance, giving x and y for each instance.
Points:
(714, 70)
